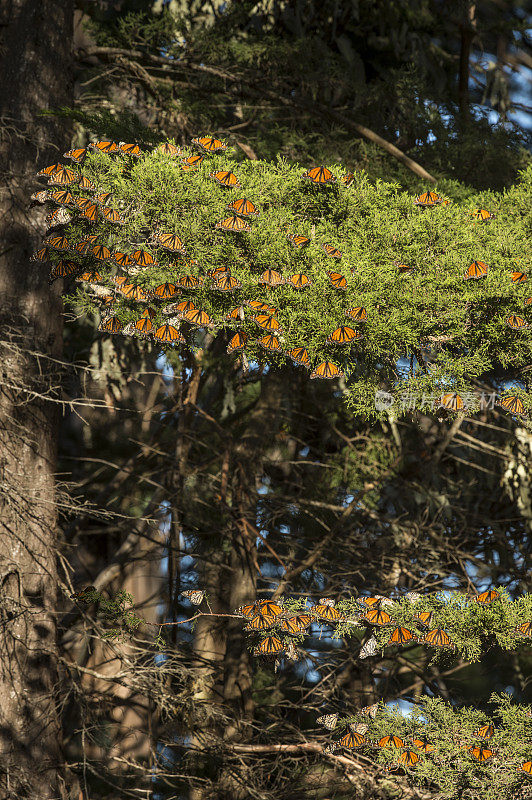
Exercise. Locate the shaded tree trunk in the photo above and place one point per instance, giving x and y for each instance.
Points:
(35, 57)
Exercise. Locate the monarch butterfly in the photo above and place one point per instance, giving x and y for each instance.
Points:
(91, 211)
(178, 308)
(243, 207)
(62, 196)
(259, 623)
(370, 711)
(298, 240)
(271, 278)
(516, 323)
(168, 334)
(268, 608)
(269, 646)
(82, 203)
(58, 217)
(331, 251)
(123, 260)
(143, 326)
(394, 741)
(438, 638)
(358, 314)
(190, 162)
(209, 144)
(326, 370)
(89, 277)
(452, 401)
(129, 149)
(226, 283)
(423, 745)
(149, 312)
(299, 281)
(477, 270)
(401, 636)
(376, 616)
(194, 595)
(57, 243)
(258, 305)
(519, 277)
(480, 753)
(328, 720)
(197, 317)
(485, 731)
(343, 335)
(370, 602)
(247, 610)
(320, 176)
(525, 629)
(103, 198)
(170, 241)
(41, 197)
(234, 224)
(481, 214)
(487, 597)
(143, 258)
(351, 740)
(369, 648)
(169, 149)
(237, 342)
(513, 404)
(110, 325)
(165, 291)
(63, 269)
(348, 179)
(326, 612)
(236, 315)
(83, 593)
(424, 618)
(119, 280)
(105, 147)
(86, 184)
(78, 155)
(190, 281)
(428, 199)
(270, 342)
(47, 171)
(110, 215)
(526, 766)
(218, 272)
(268, 323)
(133, 291)
(408, 758)
(228, 179)
(300, 356)
(337, 280)
(63, 176)
(528, 301)
(360, 727)
(296, 624)
(403, 267)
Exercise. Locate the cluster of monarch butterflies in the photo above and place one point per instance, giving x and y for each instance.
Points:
(412, 749)
(279, 624)
(95, 205)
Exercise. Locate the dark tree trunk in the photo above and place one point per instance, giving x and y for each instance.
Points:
(35, 67)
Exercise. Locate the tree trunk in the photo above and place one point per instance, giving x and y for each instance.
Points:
(35, 61)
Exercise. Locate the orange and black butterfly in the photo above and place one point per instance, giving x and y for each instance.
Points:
(519, 277)
(191, 162)
(168, 334)
(90, 211)
(259, 305)
(63, 269)
(424, 617)
(143, 258)
(78, 155)
(190, 281)
(337, 280)
(86, 185)
(348, 179)
(64, 176)
(327, 612)
(408, 758)
(102, 198)
(169, 149)
(438, 638)
(298, 240)
(370, 602)
(393, 741)
(47, 171)
(376, 616)
(109, 148)
(487, 597)
(84, 593)
(513, 404)
(299, 281)
(423, 744)
(403, 268)
(268, 323)
(218, 272)
(351, 740)
(226, 283)
(197, 317)
(243, 207)
(59, 216)
(110, 325)
(525, 629)
(516, 323)
(234, 224)
(370, 711)
(300, 356)
(343, 335)
(331, 251)
(358, 314)
(89, 277)
(296, 624)
(270, 342)
(236, 315)
(452, 401)
(485, 731)
(123, 260)
(129, 149)
(165, 291)
(61, 196)
(477, 270)
(481, 214)
(320, 176)
(326, 370)
(480, 753)
(169, 241)
(143, 326)
(237, 342)
(259, 623)
(209, 144)
(227, 179)
(269, 646)
(428, 199)
(41, 197)
(268, 608)
(401, 636)
(526, 766)
(149, 312)
(110, 215)
(271, 277)
(57, 243)
(132, 291)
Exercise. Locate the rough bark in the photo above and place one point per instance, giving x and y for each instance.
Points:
(35, 58)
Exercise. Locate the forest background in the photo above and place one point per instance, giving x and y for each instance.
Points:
(145, 473)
